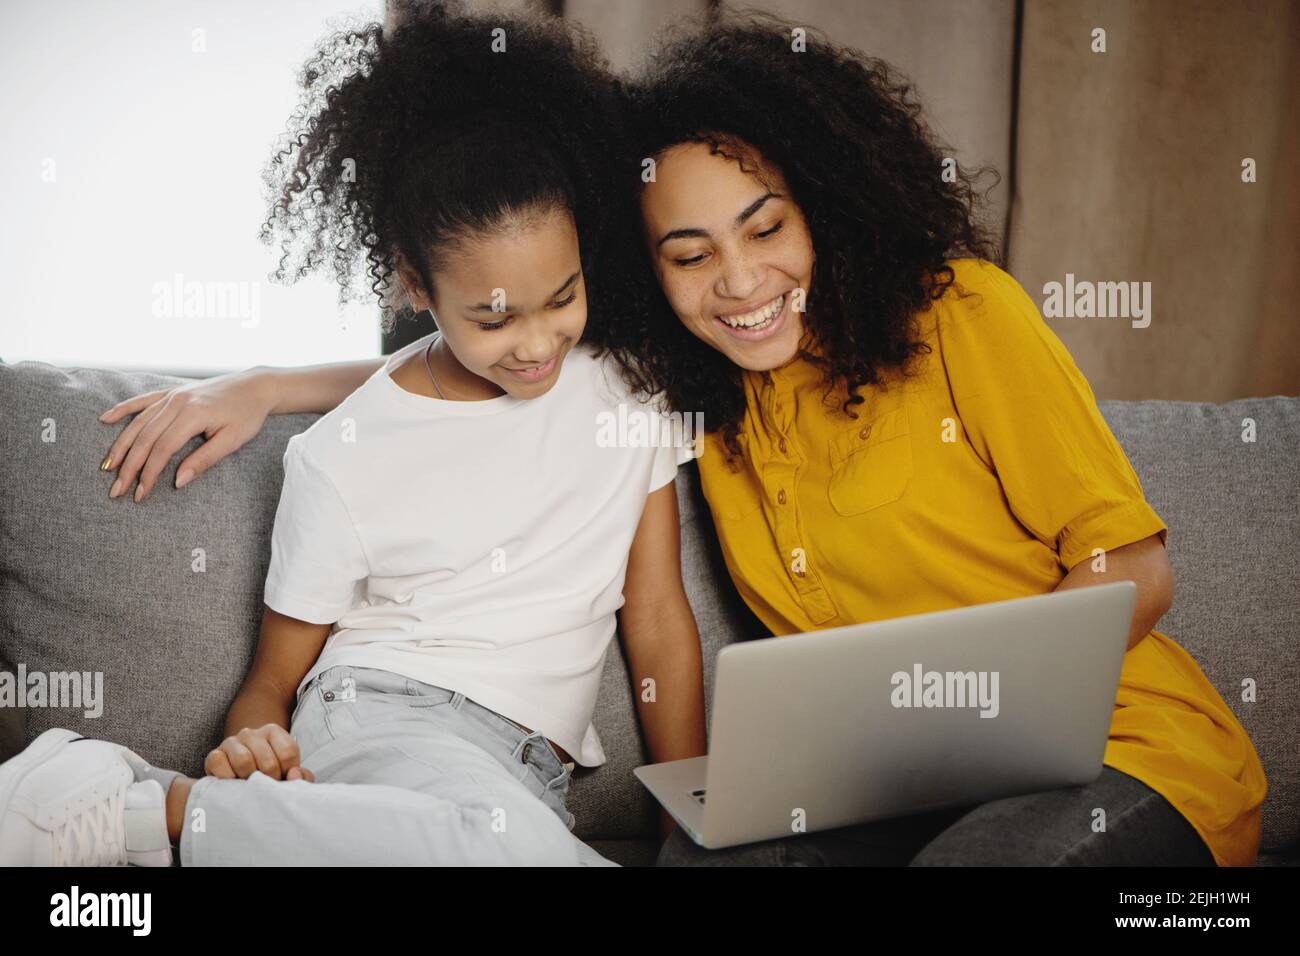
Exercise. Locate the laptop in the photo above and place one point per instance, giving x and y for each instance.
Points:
(851, 724)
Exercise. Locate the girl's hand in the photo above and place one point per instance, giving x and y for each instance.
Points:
(227, 410)
(268, 748)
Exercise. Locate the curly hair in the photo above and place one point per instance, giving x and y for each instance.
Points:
(845, 131)
(411, 139)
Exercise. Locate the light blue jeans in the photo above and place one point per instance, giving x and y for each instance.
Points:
(407, 774)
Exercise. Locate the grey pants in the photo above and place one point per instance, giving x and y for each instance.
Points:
(1049, 828)
(406, 774)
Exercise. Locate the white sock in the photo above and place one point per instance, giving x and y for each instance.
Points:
(147, 843)
(143, 770)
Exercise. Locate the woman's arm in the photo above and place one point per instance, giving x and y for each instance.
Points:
(1031, 417)
(316, 388)
(228, 410)
(1146, 564)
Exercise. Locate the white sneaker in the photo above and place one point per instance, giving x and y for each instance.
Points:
(69, 800)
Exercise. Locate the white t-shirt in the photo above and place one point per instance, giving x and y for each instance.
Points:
(477, 546)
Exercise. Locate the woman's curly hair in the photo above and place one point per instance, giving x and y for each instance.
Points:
(845, 131)
(410, 138)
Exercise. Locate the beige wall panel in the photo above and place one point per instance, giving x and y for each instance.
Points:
(626, 28)
(1129, 169)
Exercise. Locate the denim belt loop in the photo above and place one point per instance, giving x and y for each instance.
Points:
(340, 687)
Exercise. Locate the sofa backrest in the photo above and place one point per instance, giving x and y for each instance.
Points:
(164, 598)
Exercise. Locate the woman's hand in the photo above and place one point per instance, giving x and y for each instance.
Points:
(227, 410)
(268, 748)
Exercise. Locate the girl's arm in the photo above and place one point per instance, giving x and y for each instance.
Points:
(228, 410)
(661, 639)
(257, 725)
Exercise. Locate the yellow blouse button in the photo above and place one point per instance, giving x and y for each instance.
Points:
(780, 497)
(866, 430)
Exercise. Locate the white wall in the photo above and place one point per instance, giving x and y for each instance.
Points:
(155, 153)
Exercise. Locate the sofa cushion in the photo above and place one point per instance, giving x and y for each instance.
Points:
(164, 598)
(1233, 511)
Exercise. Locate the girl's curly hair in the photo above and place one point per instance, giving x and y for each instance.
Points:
(845, 131)
(449, 124)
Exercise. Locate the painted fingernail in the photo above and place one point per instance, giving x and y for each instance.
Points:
(116, 489)
(183, 478)
(107, 463)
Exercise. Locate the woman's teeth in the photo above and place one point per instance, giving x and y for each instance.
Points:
(757, 319)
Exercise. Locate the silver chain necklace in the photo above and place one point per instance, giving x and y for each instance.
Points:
(430, 368)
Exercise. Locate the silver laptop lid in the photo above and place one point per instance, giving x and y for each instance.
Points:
(866, 721)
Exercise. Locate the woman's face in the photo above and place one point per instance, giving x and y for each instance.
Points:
(506, 303)
(729, 252)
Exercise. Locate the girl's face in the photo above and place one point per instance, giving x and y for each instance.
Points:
(510, 306)
(729, 252)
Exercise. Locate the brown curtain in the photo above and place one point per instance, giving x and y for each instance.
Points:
(1128, 168)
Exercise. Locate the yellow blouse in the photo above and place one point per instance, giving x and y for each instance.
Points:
(986, 476)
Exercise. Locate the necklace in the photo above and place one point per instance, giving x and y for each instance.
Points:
(430, 368)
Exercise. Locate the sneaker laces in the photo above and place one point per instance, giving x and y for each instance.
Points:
(92, 836)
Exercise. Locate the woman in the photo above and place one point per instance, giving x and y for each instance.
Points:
(825, 298)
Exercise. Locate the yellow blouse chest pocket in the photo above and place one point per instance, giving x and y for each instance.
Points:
(871, 463)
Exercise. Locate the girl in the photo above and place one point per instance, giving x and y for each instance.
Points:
(893, 430)
(449, 549)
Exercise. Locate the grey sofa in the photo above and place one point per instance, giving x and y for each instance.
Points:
(89, 583)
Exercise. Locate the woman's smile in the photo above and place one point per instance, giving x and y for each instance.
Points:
(757, 324)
